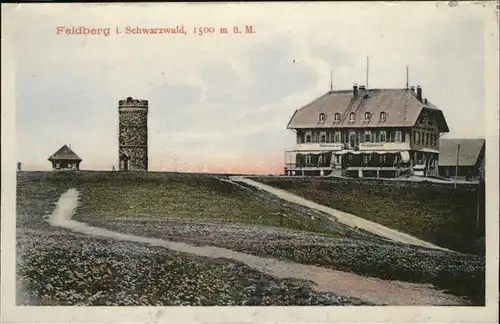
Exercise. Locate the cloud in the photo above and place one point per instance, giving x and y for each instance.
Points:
(173, 106)
(277, 72)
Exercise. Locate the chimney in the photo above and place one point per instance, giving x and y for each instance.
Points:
(355, 91)
(419, 93)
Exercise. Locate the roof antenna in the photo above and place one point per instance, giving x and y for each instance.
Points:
(367, 70)
(407, 77)
(331, 80)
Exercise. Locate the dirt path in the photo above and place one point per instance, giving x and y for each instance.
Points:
(325, 280)
(344, 218)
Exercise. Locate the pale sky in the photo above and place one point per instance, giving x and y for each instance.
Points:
(221, 103)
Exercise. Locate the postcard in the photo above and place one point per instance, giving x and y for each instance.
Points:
(250, 162)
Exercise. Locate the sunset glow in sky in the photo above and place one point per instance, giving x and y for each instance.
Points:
(221, 103)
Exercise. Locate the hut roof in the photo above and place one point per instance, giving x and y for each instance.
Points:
(64, 153)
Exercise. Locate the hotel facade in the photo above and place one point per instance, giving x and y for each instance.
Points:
(366, 133)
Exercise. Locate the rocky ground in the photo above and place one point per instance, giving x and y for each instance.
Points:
(460, 274)
(61, 268)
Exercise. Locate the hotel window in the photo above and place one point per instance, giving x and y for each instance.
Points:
(368, 136)
(322, 117)
(352, 116)
(383, 116)
(427, 139)
(322, 138)
(367, 116)
(58, 165)
(308, 137)
(320, 159)
(308, 159)
(383, 158)
(398, 136)
(338, 158)
(336, 137)
(316, 137)
(417, 137)
(390, 136)
(337, 117)
(425, 118)
(300, 137)
(383, 136)
(366, 159)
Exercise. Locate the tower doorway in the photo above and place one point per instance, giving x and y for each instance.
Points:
(124, 162)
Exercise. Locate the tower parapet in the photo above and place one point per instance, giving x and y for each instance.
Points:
(133, 135)
(132, 103)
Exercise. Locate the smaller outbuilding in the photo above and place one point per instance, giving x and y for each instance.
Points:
(65, 159)
(462, 159)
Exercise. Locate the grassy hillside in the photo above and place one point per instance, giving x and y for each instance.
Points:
(203, 210)
(167, 196)
(58, 267)
(443, 215)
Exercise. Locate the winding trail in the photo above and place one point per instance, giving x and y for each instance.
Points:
(342, 217)
(372, 290)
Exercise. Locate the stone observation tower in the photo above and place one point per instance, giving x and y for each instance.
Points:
(133, 135)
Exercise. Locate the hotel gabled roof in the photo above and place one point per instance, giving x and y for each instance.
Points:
(401, 107)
